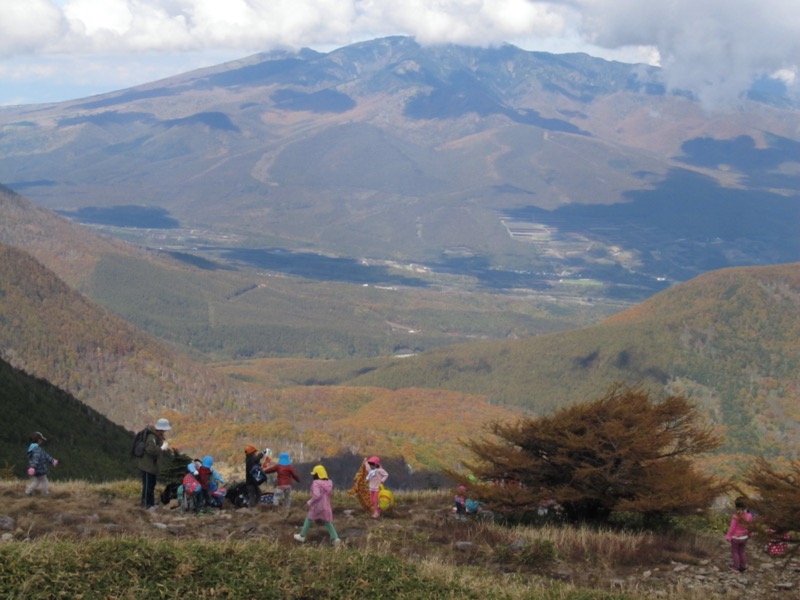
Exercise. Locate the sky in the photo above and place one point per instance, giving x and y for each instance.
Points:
(54, 50)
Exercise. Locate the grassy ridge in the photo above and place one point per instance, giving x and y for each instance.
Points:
(86, 541)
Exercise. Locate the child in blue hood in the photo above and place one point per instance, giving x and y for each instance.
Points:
(286, 473)
(38, 462)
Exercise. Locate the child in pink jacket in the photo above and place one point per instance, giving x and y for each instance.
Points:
(376, 476)
(737, 535)
(319, 506)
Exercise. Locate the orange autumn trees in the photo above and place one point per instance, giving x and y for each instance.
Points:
(620, 453)
(777, 498)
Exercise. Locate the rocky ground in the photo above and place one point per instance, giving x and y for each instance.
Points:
(414, 529)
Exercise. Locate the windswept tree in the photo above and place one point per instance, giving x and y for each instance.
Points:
(777, 494)
(622, 452)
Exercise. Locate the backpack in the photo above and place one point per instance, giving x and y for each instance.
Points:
(137, 451)
(385, 498)
(472, 506)
(258, 475)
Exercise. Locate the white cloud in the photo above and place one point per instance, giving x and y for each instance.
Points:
(27, 26)
(712, 47)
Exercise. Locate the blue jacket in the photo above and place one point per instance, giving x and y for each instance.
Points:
(39, 459)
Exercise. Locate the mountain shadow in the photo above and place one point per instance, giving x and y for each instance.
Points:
(686, 225)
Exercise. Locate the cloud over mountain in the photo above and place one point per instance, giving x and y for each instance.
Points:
(714, 48)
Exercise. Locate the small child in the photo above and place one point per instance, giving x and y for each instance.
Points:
(286, 473)
(376, 477)
(319, 506)
(460, 503)
(737, 535)
(205, 475)
(38, 461)
(216, 486)
(191, 486)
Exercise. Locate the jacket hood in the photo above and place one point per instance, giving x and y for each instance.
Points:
(324, 484)
(32, 446)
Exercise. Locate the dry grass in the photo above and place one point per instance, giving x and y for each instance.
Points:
(548, 562)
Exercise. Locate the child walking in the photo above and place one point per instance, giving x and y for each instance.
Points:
(38, 462)
(319, 506)
(286, 473)
(737, 535)
(376, 476)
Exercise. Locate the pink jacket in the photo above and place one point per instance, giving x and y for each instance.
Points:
(319, 505)
(738, 529)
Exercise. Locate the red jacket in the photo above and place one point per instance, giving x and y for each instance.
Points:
(285, 474)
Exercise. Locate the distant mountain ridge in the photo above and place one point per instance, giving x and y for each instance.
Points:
(449, 156)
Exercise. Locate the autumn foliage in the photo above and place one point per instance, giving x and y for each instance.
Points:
(777, 497)
(622, 452)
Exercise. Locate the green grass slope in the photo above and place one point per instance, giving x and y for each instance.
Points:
(88, 445)
(727, 339)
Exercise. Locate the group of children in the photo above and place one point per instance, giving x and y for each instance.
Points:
(204, 485)
(257, 467)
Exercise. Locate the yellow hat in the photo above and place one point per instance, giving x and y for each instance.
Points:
(320, 472)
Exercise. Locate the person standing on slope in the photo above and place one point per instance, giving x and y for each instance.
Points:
(376, 476)
(38, 462)
(738, 533)
(149, 463)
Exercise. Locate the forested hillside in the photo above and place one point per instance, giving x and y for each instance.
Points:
(52, 332)
(57, 334)
(87, 445)
(727, 339)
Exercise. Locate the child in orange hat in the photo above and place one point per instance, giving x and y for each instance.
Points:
(254, 474)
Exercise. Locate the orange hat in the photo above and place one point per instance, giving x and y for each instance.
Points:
(250, 449)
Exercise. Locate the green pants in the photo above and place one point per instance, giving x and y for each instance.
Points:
(328, 525)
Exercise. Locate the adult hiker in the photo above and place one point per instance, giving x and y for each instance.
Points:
(149, 463)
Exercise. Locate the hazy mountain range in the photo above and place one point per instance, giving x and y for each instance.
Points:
(388, 199)
(520, 169)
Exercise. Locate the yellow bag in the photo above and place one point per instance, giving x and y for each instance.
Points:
(385, 498)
